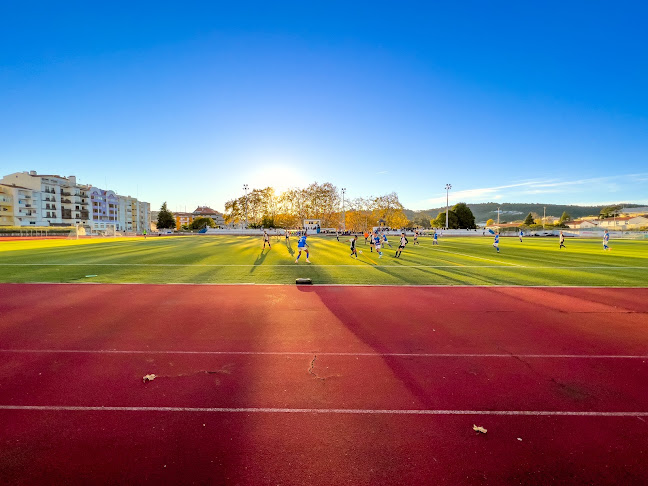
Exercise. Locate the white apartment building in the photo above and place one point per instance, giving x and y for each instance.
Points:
(31, 199)
(47, 200)
(133, 215)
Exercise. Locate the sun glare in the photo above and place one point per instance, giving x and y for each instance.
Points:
(279, 176)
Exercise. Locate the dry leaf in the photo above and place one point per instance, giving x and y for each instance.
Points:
(150, 377)
(479, 429)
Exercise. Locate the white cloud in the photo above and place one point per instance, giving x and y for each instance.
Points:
(593, 185)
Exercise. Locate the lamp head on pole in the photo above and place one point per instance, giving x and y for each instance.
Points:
(448, 187)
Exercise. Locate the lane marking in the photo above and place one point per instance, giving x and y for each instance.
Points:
(394, 286)
(320, 353)
(357, 265)
(352, 411)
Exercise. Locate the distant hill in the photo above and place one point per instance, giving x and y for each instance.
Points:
(515, 211)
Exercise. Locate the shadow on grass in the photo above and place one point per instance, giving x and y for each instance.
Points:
(259, 260)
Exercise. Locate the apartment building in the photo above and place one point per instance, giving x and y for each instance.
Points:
(47, 200)
(31, 199)
(183, 219)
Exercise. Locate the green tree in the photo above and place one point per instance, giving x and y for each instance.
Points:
(200, 223)
(464, 215)
(609, 212)
(565, 217)
(165, 220)
(440, 221)
(530, 220)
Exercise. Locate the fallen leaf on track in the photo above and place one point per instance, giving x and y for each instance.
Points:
(150, 377)
(479, 429)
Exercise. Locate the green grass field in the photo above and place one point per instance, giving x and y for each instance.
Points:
(224, 259)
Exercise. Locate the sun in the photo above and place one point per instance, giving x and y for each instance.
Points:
(278, 176)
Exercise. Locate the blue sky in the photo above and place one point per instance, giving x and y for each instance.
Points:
(188, 101)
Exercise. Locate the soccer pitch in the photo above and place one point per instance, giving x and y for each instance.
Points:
(240, 259)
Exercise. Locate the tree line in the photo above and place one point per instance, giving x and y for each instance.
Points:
(264, 208)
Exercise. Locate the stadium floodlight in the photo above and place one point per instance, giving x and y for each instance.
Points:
(447, 188)
(343, 211)
(245, 188)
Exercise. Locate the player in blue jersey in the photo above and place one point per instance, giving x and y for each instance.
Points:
(302, 246)
(435, 238)
(496, 242)
(385, 240)
(521, 235)
(606, 241)
(378, 245)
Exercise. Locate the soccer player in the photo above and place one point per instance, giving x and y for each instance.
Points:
(521, 235)
(496, 242)
(401, 246)
(416, 242)
(562, 241)
(378, 245)
(366, 235)
(287, 237)
(337, 235)
(385, 240)
(266, 239)
(606, 241)
(435, 238)
(372, 240)
(302, 246)
(354, 250)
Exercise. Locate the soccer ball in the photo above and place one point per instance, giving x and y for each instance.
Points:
(359, 251)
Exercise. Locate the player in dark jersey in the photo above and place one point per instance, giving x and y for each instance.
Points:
(266, 240)
(354, 250)
(401, 245)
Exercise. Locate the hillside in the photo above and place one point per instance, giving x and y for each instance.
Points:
(514, 211)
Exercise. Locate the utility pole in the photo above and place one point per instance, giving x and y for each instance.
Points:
(498, 213)
(447, 188)
(544, 216)
(245, 188)
(343, 211)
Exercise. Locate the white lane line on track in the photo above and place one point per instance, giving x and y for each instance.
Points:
(320, 353)
(358, 265)
(353, 411)
(394, 286)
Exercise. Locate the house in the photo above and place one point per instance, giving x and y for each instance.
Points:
(622, 223)
(207, 212)
(582, 224)
(642, 211)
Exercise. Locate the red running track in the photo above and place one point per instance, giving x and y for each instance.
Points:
(322, 385)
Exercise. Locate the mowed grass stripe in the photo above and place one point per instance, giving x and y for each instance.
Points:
(225, 259)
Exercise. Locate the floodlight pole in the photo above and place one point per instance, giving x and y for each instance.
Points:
(447, 188)
(245, 188)
(343, 211)
(544, 216)
(498, 213)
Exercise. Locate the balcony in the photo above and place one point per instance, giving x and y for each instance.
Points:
(66, 201)
(65, 193)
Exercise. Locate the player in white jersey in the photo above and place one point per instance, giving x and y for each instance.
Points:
(401, 245)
